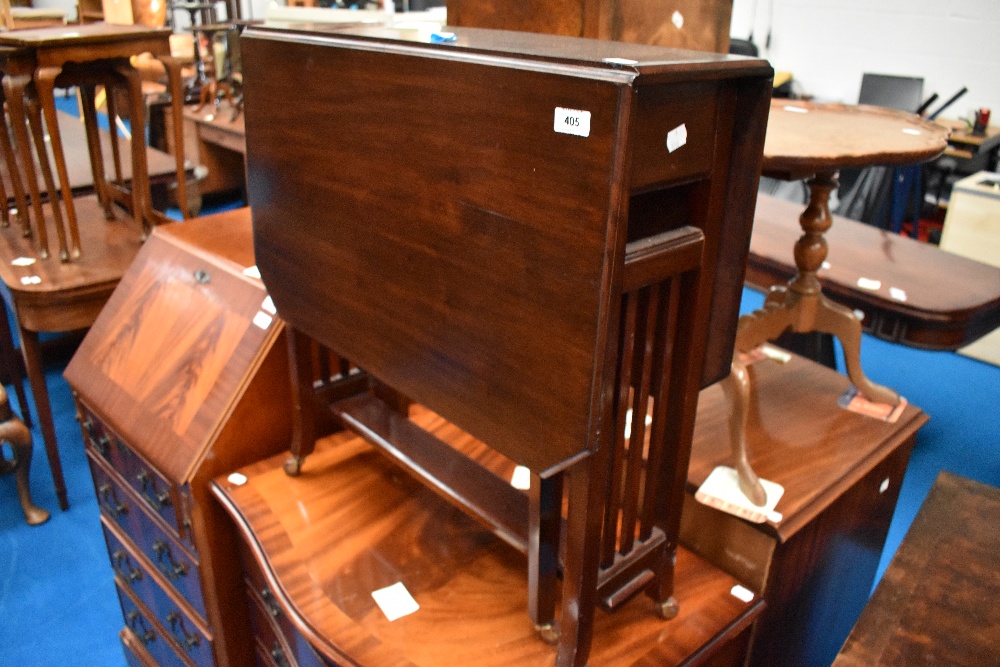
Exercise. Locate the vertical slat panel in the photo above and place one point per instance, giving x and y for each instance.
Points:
(650, 301)
(612, 508)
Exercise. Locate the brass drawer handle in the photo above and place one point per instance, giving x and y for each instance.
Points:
(122, 564)
(188, 640)
(97, 438)
(110, 502)
(137, 624)
(148, 490)
(165, 561)
(279, 656)
(270, 603)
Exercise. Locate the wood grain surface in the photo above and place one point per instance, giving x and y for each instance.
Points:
(805, 137)
(936, 603)
(352, 523)
(947, 301)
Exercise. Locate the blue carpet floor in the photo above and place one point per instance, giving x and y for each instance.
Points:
(57, 599)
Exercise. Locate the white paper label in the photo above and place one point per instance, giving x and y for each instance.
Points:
(262, 319)
(677, 19)
(22, 261)
(741, 593)
(31, 280)
(395, 601)
(268, 306)
(237, 479)
(869, 283)
(897, 293)
(521, 479)
(677, 137)
(252, 272)
(572, 121)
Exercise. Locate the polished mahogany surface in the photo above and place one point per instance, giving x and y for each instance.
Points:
(946, 301)
(809, 444)
(701, 26)
(351, 523)
(456, 140)
(804, 138)
(815, 562)
(936, 603)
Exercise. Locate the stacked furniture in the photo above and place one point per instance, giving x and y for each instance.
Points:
(532, 236)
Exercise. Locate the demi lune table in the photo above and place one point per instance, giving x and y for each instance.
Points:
(813, 141)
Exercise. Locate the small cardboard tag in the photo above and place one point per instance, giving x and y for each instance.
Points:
(721, 490)
(852, 400)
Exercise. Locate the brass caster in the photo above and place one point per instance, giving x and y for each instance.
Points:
(668, 609)
(549, 633)
(293, 466)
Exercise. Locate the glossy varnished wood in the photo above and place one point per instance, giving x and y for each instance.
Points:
(498, 197)
(350, 524)
(936, 603)
(703, 26)
(183, 376)
(948, 300)
(804, 138)
(814, 564)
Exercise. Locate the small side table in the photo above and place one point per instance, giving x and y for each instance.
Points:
(813, 141)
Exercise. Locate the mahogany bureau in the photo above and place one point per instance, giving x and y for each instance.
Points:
(182, 376)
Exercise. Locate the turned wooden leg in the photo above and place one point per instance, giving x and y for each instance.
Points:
(45, 78)
(14, 87)
(116, 153)
(31, 349)
(16, 434)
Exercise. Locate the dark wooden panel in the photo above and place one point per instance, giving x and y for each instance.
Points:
(499, 199)
(936, 603)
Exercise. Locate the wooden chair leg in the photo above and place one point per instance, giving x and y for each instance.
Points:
(32, 352)
(14, 87)
(20, 198)
(16, 434)
(38, 132)
(101, 186)
(141, 206)
(176, 87)
(45, 78)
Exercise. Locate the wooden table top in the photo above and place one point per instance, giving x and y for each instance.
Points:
(937, 603)
(88, 33)
(814, 448)
(353, 523)
(947, 301)
(806, 137)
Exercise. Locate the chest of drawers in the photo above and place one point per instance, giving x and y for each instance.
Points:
(183, 376)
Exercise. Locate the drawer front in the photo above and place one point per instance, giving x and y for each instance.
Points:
(177, 567)
(272, 655)
(148, 633)
(156, 492)
(272, 625)
(263, 617)
(673, 136)
(177, 621)
(135, 654)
